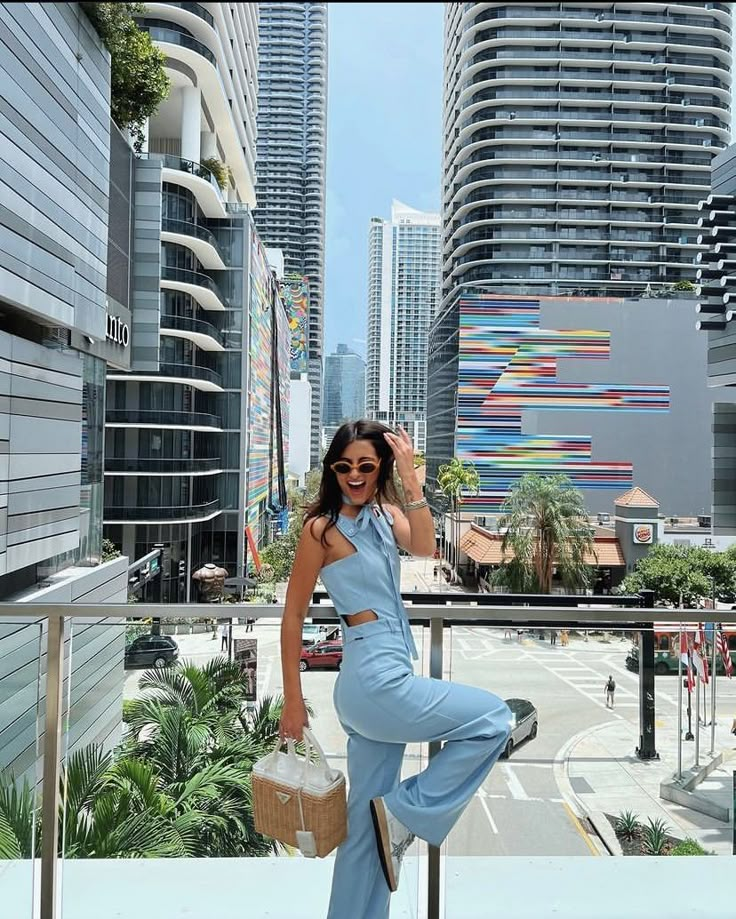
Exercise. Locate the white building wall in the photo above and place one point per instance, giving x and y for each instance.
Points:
(300, 427)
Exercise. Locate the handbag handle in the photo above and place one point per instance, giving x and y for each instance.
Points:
(310, 743)
(313, 744)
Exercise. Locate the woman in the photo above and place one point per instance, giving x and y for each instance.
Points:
(350, 540)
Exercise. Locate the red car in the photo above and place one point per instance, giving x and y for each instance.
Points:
(326, 655)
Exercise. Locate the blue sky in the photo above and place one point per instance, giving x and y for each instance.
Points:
(384, 111)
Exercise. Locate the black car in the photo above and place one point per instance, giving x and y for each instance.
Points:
(524, 723)
(151, 651)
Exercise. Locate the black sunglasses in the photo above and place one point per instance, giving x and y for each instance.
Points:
(343, 467)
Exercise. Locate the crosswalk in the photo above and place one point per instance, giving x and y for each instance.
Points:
(583, 669)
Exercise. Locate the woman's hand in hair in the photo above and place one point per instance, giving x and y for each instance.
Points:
(403, 450)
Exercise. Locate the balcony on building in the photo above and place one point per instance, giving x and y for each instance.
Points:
(154, 514)
(202, 378)
(200, 81)
(196, 177)
(164, 419)
(173, 465)
(203, 334)
(195, 283)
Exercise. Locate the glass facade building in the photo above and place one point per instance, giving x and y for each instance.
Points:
(344, 390)
(176, 450)
(292, 114)
(403, 293)
(578, 142)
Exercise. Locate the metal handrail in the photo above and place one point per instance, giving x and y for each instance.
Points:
(436, 610)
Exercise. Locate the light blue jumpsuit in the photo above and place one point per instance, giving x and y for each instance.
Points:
(382, 706)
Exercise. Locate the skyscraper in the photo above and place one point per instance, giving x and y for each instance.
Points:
(403, 292)
(344, 389)
(292, 111)
(189, 449)
(578, 142)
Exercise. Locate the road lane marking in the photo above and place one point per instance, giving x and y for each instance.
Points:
(515, 786)
(579, 827)
(489, 815)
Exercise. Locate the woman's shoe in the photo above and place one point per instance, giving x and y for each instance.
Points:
(392, 839)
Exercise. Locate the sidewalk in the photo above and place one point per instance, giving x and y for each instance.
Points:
(600, 771)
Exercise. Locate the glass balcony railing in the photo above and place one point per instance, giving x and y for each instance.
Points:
(157, 512)
(142, 784)
(187, 228)
(173, 37)
(161, 418)
(195, 278)
(197, 9)
(190, 372)
(184, 165)
(157, 465)
(198, 326)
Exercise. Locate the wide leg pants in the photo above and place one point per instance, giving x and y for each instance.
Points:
(383, 706)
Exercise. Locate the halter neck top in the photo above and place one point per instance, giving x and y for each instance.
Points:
(369, 578)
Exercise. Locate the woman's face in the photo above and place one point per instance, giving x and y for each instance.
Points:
(359, 481)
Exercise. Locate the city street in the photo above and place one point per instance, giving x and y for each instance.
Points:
(525, 807)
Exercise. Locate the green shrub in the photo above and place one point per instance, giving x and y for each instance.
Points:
(138, 80)
(219, 170)
(109, 550)
(128, 708)
(655, 836)
(627, 824)
(683, 285)
(688, 847)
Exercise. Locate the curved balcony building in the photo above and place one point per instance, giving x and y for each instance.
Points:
(577, 143)
(175, 436)
(292, 103)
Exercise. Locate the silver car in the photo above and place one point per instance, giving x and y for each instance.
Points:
(524, 723)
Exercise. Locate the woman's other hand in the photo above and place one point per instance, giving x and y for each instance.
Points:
(294, 719)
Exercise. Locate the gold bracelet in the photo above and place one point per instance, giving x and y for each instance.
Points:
(415, 505)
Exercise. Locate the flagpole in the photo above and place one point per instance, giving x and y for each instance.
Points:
(713, 672)
(697, 720)
(689, 734)
(679, 704)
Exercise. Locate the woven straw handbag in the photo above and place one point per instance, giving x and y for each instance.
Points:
(300, 800)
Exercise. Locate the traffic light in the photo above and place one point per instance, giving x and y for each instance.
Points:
(182, 569)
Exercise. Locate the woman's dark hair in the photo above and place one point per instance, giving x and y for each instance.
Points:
(328, 502)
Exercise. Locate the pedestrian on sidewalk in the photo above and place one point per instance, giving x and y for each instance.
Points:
(249, 624)
(381, 704)
(610, 690)
(553, 636)
(564, 638)
(223, 636)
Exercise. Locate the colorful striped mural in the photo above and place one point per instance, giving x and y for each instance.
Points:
(259, 403)
(283, 352)
(508, 364)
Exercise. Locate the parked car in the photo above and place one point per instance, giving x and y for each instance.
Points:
(524, 723)
(325, 655)
(312, 633)
(151, 651)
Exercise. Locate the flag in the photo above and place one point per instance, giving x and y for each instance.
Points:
(686, 654)
(722, 648)
(700, 654)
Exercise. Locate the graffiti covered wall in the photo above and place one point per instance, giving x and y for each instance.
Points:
(295, 294)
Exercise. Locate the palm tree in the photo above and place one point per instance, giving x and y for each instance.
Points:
(178, 786)
(454, 479)
(545, 524)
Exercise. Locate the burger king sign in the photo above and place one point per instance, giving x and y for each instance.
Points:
(643, 533)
